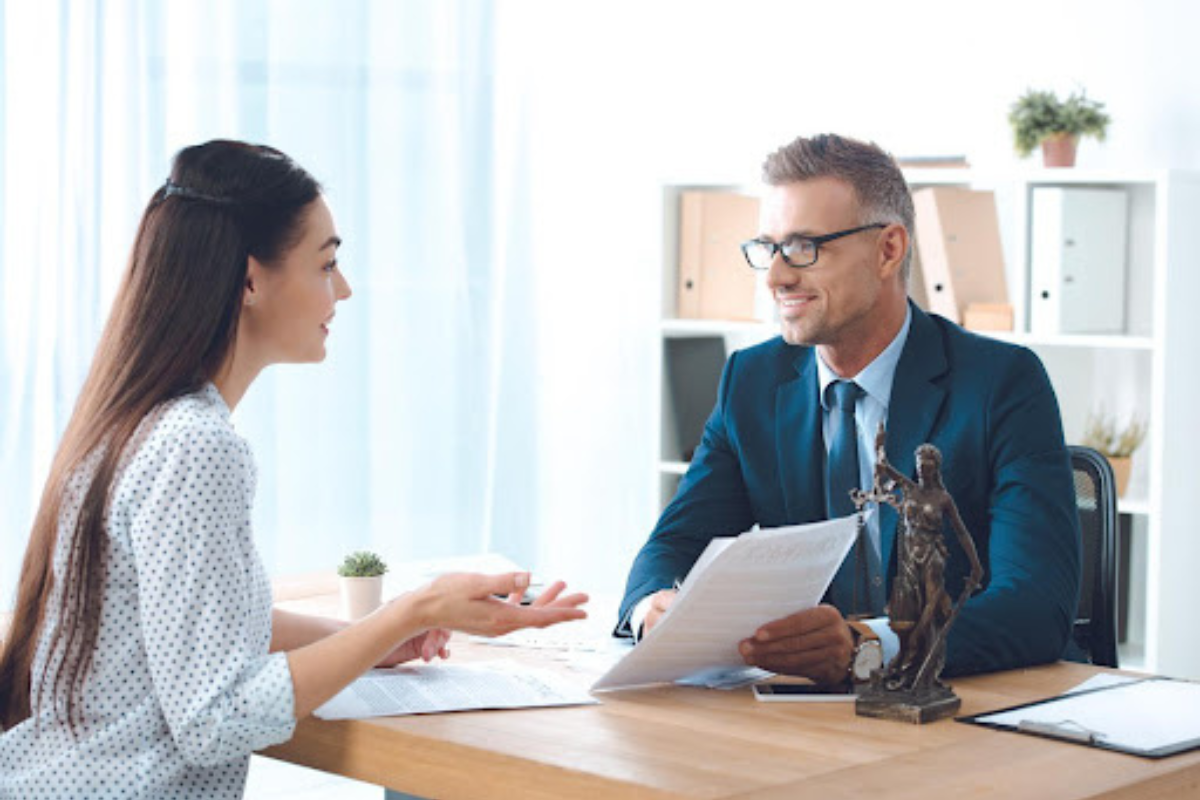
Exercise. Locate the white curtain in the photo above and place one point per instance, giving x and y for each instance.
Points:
(419, 435)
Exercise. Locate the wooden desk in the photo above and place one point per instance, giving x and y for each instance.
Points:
(679, 742)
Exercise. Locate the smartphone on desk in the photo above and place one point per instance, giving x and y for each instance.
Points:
(798, 693)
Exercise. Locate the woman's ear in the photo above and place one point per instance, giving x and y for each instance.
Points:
(254, 273)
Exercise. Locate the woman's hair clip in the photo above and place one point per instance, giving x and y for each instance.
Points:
(171, 188)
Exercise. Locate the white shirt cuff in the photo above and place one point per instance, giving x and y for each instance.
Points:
(887, 637)
(638, 617)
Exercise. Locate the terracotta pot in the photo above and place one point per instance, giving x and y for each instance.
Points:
(1121, 467)
(360, 596)
(1058, 150)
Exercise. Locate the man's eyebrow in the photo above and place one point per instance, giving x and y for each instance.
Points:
(790, 235)
(332, 241)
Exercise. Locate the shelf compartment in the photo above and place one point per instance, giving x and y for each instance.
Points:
(691, 369)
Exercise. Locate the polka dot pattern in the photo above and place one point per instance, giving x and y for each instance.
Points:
(182, 688)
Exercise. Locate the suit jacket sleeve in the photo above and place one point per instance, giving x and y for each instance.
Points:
(712, 501)
(1026, 613)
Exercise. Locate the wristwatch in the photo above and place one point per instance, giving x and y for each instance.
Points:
(868, 652)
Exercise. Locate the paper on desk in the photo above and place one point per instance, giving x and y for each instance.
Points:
(434, 688)
(725, 678)
(1143, 715)
(1102, 680)
(583, 645)
(737, 584)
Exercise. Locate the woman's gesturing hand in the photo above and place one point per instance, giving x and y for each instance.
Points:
(472, 603)
(426, 646)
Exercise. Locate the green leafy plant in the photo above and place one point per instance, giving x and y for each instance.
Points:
(1038, 115)
(1101, 432)
(362, 564)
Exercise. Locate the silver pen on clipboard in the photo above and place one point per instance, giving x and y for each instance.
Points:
(1067, 730)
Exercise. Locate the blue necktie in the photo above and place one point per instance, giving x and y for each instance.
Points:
(843, 448)
(853, 589)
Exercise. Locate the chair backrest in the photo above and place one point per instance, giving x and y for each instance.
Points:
(1095, 632)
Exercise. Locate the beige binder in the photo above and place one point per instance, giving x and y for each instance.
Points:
(715, 282)
(916, 278)
(958, 238)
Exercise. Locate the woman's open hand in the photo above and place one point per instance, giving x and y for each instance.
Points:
(473, 604)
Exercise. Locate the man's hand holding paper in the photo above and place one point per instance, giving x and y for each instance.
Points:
(738, 587)
(814, 643)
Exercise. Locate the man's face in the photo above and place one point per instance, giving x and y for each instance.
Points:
(832, 302)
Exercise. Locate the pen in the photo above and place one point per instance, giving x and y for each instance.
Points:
(1066, 730)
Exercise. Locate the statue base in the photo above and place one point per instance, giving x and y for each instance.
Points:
(916, 708)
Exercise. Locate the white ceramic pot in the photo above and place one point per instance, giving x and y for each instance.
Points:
(360, 596)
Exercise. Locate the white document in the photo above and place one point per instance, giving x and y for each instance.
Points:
(434, 688)
(737, 584)
(1152, 716)
(1103, 680)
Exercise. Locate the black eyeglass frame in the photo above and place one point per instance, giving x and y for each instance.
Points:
(776, 248)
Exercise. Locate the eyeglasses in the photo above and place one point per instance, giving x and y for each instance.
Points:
(797, 251)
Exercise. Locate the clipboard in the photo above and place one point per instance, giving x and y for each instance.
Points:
(1150, 717)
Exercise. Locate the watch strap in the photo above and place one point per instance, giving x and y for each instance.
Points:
(861, 631)
(864, 636)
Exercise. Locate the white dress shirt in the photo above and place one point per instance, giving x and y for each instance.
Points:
(876, 381)
(182, 688)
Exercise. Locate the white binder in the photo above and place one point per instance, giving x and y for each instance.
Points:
(1078, 241)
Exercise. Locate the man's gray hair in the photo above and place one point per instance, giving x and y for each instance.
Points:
(882, 192)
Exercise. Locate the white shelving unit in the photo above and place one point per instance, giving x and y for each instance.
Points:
(1151, 368)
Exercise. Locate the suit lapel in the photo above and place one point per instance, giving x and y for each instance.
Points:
(799, 443)
(916, 401)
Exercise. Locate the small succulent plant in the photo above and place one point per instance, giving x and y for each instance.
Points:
(362, 564)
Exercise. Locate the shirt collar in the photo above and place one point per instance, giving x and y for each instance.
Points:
(875, 378)
(212, 394)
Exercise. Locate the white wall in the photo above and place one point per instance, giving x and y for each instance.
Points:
(620, 97)
(599, 104)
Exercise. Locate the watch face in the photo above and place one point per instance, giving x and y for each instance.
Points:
(868, 659)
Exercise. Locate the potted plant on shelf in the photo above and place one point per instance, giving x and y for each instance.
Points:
(361, 579)
(1039, 117)
(1116, 444)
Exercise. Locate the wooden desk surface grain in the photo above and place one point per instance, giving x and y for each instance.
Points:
(681, 742)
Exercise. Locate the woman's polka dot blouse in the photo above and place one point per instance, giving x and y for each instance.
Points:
(182, 688)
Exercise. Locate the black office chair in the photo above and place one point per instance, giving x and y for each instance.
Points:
(1094, 638)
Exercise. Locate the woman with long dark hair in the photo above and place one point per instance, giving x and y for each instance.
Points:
(144, 659)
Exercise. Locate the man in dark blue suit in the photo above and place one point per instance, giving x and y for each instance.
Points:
(835, 230)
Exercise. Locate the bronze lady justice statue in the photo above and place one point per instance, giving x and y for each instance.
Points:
(920, 611)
